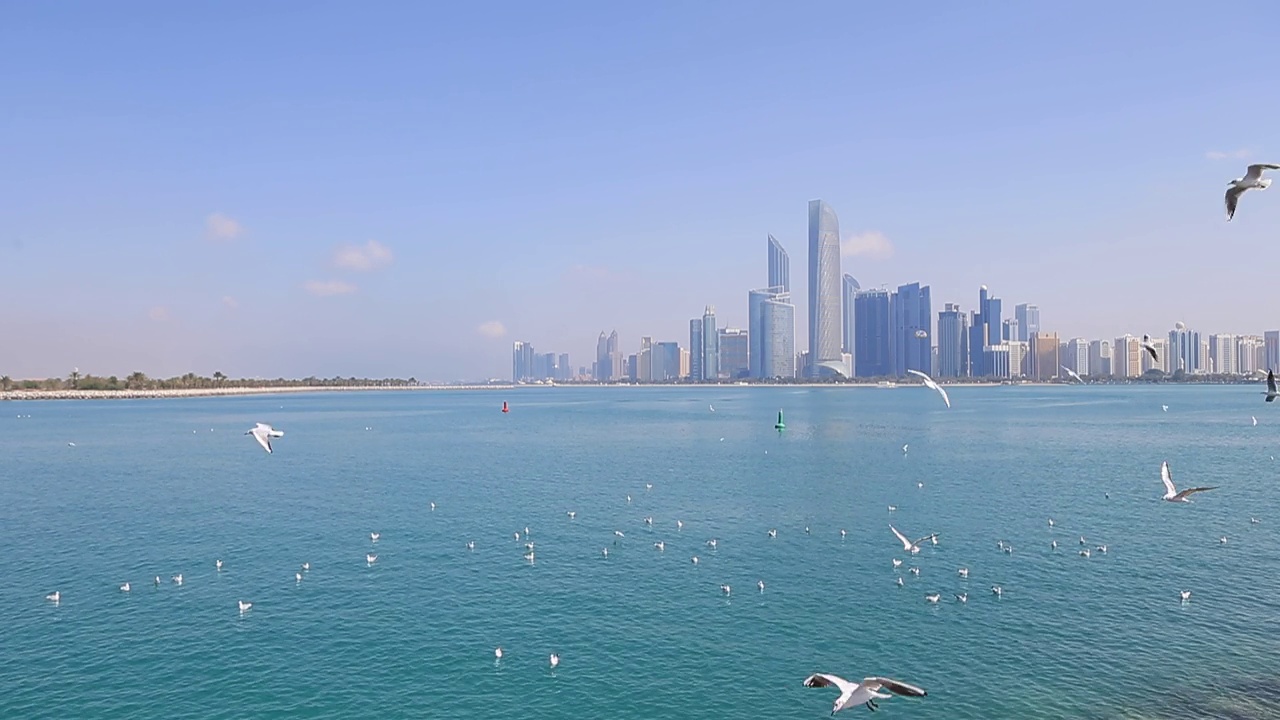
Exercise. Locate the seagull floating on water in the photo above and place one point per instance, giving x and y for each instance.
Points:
(263, 434)
(908, 545)
(694, 559)
(571, 514)
(1252, 179)
(964, 572)
(555, 660)
(760, 584)
(306, 566)
(243, 605)
(54, 597)
(373, 536)
(1185, 595)
(124, 587)
(997, 591)
(370, 558)
(217, 564)
(1171, 493)
(933, 598)
(862, 693)
(929, 383)
(297, 577)
(726, 589)
(662, 547)
(177, 579)
(497, 653)
(962, 597)
(773, 533)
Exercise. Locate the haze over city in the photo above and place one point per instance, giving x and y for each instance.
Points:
(404, 190)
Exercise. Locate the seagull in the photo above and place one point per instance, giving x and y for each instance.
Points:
(915, 571)
(555, 660)
(1185, 595)
(1050, 522)
(899, 581)
(843, 533)
(896, 563)
(618, 533)
(54, 597)
(244, 605)
(516, 536)
(1102, 549)
(1082, 541)
(1151, 349)
(71, 444)
(904, 448)
(862, 693)
(760, 584)
(529, 556)
(263, 434)
(773, 533)
(1164, 408)
(1053, 544)
(297, 577)
(156, 581)
(604, 552)
(726, 589)
(628, 499)
(1271, 390)
(497, 653)
(433, 507)
(648, 520)
(997, 591)
(933, 598)
(694, 559)
(929, 383)
(571, 514)
(1223, 540)
(964, 572)
(1074, 375)
(370, 559)
(712, 543)
(1171, 493)
(1084, 552)
(471, 544)
(177, 579)
(909, 546)
(124, 587)
(373, 536)
(217, 564)
(306, 566)
(1255, 420)
(711, 407)
(1253, 521)
(1252, 179)
(893, 508)
(679, 525)
(662, 547)
(648, 487)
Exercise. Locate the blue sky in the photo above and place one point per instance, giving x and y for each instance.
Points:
(378, 189)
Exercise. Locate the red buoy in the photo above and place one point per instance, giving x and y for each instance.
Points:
(504, 406)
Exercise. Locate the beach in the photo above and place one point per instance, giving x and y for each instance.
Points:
(216, 392)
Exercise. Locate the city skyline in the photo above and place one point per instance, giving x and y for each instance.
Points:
(413, 201)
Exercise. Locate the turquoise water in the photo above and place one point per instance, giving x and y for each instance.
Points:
(160, 487)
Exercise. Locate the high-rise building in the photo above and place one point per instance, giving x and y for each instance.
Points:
(566, 370)
(666, 361)
(734, 353)
(984, 329)
(771, 333)
(1099, 357)
(522, 361)
(825, 356)
(644, 360)
(1250, 354)
(871, 347)
(1018, 358)
(684, 364)
(779, 266)
(710, 346)
(1077, 357)
(1000, 359)
(1272, 340)
(953, 331)
(1028, 319)
(911, 339)
(1009, 330)
(1184, 350)
(695, 350)
(1045, 363)
(1126, 357)
(1222, 354)
(602, 358)
(848, 291)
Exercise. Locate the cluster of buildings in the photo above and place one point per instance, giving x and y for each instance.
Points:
(881, 334)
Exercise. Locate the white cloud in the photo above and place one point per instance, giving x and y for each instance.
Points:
(230, 302)
(158, 313)
(870, 244)
(327, 288)
(220, 227)
(370, 256)
(492, 329)
(1240, 154)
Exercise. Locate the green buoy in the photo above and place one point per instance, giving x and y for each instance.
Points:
(780, 425)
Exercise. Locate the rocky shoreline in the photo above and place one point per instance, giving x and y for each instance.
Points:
(215, 392)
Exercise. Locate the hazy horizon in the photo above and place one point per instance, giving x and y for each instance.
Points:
(404, 190)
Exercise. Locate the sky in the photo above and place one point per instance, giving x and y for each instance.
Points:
(405, 188)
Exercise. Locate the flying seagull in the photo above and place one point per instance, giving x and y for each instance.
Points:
(1146, 345)
(862, 693)
(1171, 493)
(1074, 375)
(909, 546)
(929, 383)
(1252, 179)
(263, 434)
(1271, 389)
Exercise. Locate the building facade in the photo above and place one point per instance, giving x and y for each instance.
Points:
(825, 356)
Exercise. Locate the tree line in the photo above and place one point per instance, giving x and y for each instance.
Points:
(190, 381)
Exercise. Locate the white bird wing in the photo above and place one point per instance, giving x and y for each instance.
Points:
(896, 687)
(1255, 171)
(1233, 197)
(922, 375)
(262, 434)
(901, 538)
(945, 399)
(926, 537)
(824, 680)
(1167, 478)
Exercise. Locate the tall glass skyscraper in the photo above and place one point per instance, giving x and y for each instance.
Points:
(825, 355)
(872, 325)
(953, 341)
(986, 329)
(695, 350)
(911, 344)
(771, 333)
(848, 291)
(710, 345)
(1028, 317)
(1184, 349)
(779, 266)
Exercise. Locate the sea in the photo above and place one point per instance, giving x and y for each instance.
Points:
(94, 494)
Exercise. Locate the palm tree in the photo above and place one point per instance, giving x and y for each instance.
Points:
(6, 382)
(218, 377)
(136, 381)
(75, 378)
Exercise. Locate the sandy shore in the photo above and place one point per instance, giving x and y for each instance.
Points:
(213, 392)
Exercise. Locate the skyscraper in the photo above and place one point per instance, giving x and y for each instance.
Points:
(522, 361)
(848, 291)
(695, 350)
(825, 356)
(1045, 362)
(910, 341)
(734, 353)
(1126, 357)
(667, 357)
(871, 358)
(1077, 357)
(1184, 350)
(953, 330)
(984, 330)
(564, 368)
(602, 358)
(1100, 357)
(1028, 317)
(779, 266)
(710, 346)
(644, 360)
(1271, 339)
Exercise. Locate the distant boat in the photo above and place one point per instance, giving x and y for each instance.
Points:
(504, 406)
(780, 425)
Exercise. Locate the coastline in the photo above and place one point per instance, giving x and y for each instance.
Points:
(20, 395)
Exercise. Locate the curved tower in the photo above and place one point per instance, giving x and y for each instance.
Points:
(824, 291)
